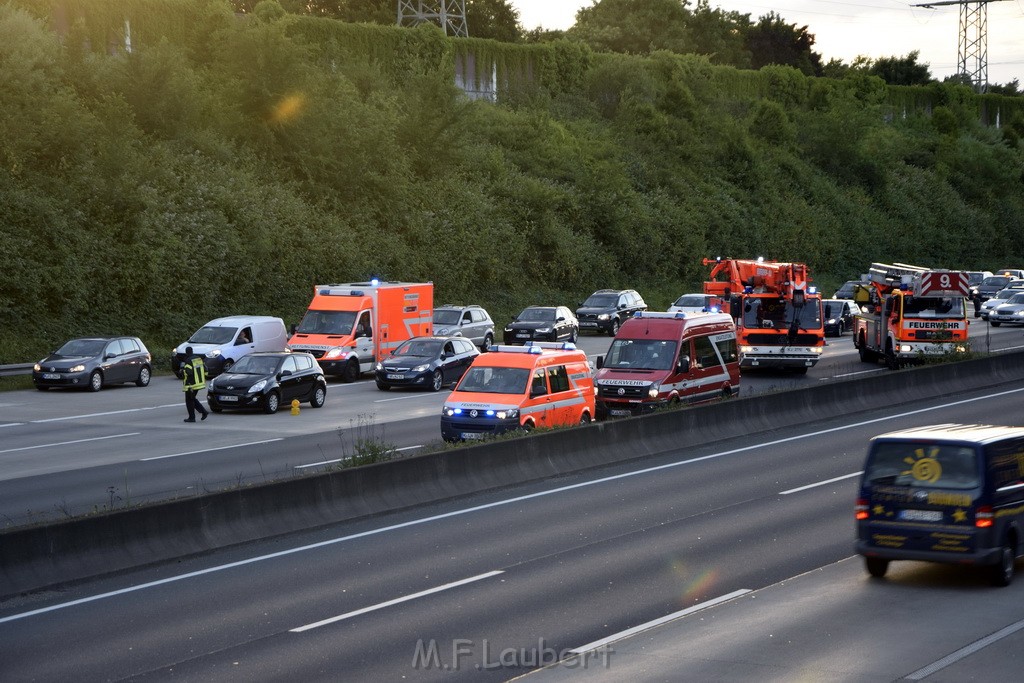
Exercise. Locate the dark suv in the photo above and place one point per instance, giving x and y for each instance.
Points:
(471, 322)
(606, 309)
(542, 323)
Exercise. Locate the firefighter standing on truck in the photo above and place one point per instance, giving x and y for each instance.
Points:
(194, 379)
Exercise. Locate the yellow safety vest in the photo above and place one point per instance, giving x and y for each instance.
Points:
(195, 367)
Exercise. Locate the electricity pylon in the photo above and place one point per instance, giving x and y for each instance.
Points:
(972, 52)
(450, 15)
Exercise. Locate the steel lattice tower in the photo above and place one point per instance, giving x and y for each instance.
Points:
(972, 52)
(450, 15)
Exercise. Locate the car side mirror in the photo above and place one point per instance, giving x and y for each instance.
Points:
(560, 319)
(284, 373)
(622, 306)
(109, 356)
(683, 365)
(600, 362)
(444, 355)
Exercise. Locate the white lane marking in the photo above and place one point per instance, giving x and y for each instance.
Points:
(820, 483)
(487, 506)
(403, 398)
(112, 412)
(965, 651)
(851, 374)
(347, 457)
(68, 443)
(658, 622)
(209, 450)
(396, 601)
(12, 424)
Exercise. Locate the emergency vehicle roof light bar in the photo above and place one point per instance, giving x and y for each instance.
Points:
(508, 348)
(561, 346)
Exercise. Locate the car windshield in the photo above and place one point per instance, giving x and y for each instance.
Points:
(601, 301)
(690, 301)
(1016, 299)
(327, 322)
(256, 365)
(214, 335)
(488, 380)
(780, 314)
(996, 281)
(537, 314)
(1005, 293)
(933, 307)
(945, 466)
(448, 317)
(419, 347)
(975, 278)
(641, 354)
(82, 347)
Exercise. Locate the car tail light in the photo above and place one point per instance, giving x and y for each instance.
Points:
(860, 510)
(983, 517)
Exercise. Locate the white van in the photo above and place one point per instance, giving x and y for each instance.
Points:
(224, 340)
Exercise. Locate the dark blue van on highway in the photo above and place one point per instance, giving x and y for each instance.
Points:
(946, 493)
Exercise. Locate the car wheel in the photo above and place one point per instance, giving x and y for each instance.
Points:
(437, 381)
(876, 566)
(842, 329)
(144, 377)
(95, 381)
(351, 372)
(215, 407)
(488, 343)
(271, 402)
(319, 396)
(614, 328)
(1002, 571)
(585, 418)
(994, 323)
(382, 386)
(574, 335)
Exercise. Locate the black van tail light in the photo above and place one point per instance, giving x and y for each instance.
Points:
(983, 517)
(860, 510)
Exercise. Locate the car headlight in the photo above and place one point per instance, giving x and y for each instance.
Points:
(37, 367)
(378, 367)
(905, 348)
(213, 354)
(746, 349)
(1020, 312)
(817, 349)
(448, 411)
(653, 391)
(334, 353)
(543, 330)
(603, 316)
(421, 368)
(258, 386)
(77, 368)
(443, 332)
(508, 329)
(505, 414)
(831, 321)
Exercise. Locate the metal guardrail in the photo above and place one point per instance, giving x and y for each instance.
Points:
(16, 369)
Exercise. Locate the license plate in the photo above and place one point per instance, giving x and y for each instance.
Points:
(921, 515)
(396, 376)
(619, 413)
(588, 324)
(51, 375)
(522, 334)
(227, 399)
(472, 435)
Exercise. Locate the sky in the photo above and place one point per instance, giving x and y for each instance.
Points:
(846, 29)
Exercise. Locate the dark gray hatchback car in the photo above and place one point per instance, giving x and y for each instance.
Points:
(93, 362)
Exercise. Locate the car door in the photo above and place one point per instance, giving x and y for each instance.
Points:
(449, 362)
(468, 352)
(540, 398)
(563, 411)
(112, 362)
(564, 326)
(290, 381)
(132, 359)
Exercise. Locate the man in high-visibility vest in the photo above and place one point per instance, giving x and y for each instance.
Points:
(194, 380)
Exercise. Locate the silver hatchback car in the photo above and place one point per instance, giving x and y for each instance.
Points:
(471, 322)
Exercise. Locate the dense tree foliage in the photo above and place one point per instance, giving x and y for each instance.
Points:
(772, 41)
(225, 166)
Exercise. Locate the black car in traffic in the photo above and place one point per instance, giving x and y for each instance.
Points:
(606, 309)
(543, 323)
(266, 381)
(94, 362)
(426, 363)
(838, 316)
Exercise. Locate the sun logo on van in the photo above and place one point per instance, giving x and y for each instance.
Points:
(924, 466)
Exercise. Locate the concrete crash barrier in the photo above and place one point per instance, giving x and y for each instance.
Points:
(36, 557)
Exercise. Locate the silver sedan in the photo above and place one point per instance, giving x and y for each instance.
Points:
(1010, 312)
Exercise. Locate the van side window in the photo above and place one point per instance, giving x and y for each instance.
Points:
(1007, 462)
(244, 337)
(538, 385)
(727, 347)
(704, 351)
(559, 379)
(363, 328)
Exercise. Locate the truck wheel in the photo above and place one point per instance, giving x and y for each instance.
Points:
(351, 371)
(876, 566)
(891, 361)
(1002, 571)
(585, 418)
(866, 354)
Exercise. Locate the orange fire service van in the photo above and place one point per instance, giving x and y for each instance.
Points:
(541, 384)
(350, 327)
(662, 358)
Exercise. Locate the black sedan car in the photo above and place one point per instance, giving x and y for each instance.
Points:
(838, 316)
(543, 323)
(268, 380)
(93, 362)
(426, 363)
